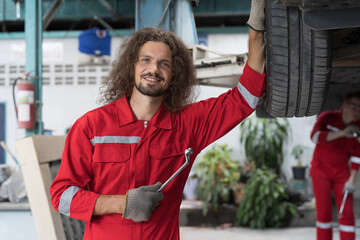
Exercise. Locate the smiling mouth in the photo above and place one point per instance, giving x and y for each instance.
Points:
(151, 78)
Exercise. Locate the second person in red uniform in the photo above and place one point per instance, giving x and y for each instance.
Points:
(336, 134)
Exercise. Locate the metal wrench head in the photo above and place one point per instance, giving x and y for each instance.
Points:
(188, 152)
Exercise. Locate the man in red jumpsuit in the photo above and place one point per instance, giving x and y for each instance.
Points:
(336, 134)
(117, 156)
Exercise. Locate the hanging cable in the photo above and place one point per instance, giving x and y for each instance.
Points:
(97, 18)
(13, 94)
(164, 12)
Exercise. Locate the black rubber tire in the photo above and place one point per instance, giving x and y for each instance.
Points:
(298, 63)
(262, 113)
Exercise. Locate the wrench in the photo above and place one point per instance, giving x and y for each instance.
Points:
(343, 203)
(335, 129)
(187, 154)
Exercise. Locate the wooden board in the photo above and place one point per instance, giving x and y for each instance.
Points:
(34, 154)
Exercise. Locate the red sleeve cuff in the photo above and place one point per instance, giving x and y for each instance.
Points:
(83, 207)
(355, 161)
(355, 166)
(253, 81)
(322, 136)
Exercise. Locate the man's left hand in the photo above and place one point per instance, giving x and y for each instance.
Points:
(349, 187)
(257, 15)
(352, 131)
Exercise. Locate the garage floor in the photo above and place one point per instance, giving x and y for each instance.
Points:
(19, 225)
(16, 223)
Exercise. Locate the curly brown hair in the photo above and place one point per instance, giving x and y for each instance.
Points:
(121, 78)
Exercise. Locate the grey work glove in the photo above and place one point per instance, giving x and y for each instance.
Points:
(257, 15)
(141, 202)
(352, 131)
(349, 187)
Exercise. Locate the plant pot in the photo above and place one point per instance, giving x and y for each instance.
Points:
(299, 172)
(238, 192)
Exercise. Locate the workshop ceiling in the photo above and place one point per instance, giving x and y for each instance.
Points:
(119, 14)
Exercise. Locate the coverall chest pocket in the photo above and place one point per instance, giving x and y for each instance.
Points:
(111, 167)
(164, 151)
(168, 157)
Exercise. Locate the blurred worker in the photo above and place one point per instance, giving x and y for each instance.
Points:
(335, 134)
(116, 157)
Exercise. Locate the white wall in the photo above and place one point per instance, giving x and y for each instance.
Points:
(63, 104)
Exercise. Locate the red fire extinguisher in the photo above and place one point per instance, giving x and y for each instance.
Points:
(25, 102)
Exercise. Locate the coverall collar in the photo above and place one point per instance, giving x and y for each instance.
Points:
(125, 115)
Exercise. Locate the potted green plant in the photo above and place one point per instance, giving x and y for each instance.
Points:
(263, 140)
(299, 169)
(265, 202)
(217, 174)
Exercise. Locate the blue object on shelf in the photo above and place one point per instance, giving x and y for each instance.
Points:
(95, 42)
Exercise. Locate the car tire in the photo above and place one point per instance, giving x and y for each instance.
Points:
(298, 63)
(261, 112)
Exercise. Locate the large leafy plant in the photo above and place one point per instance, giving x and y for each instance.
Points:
(263, 140)
(217, 173)
(265, 202)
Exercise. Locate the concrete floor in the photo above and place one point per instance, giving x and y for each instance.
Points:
(19, 225)
(300, 233)
(196, 233)
(240, 233)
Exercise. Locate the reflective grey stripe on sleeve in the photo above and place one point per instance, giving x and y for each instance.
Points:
(114, 139)
(346, 228)
(355, 159)
(65, 200)
(323, 225)
(315, 137)
(252, 100)
(332, 128)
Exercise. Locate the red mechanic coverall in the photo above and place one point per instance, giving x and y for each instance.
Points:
(110, 151)
(330, 170)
